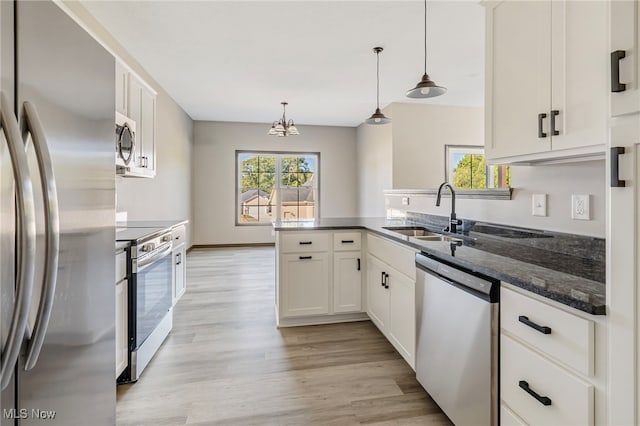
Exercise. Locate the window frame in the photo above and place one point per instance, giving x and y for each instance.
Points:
(468, 149)
(278, 182)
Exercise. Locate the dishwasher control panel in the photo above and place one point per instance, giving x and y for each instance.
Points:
(458, 276)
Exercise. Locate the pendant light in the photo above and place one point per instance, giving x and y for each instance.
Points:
(377, 117)
(426, 88)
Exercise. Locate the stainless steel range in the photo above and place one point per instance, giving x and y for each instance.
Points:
(150, 313)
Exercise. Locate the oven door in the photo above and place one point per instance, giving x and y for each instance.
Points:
(153, 285)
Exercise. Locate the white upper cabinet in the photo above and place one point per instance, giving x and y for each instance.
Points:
(147, 129)
(518, 77)
(122, 83)
(546, 80)
(137, 100)
(142, 109)
(625, 57)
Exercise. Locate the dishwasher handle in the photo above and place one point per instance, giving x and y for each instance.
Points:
(476, 284)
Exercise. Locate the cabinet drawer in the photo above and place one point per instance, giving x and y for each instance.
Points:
(509, 418)
(571, 400)
(121, 266)
(570, 339)
(400, 258)
(345, 241)
(304, 242)
(179, 235)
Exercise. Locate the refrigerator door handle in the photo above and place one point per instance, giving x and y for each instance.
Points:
(26, 251)
(31, 124)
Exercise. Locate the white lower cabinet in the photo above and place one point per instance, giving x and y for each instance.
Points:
(391, 299)
(541, 392)
(347, 281)
(319, 277)
(304, 284)
(179, 258)
(402, 315)
(509, 418)
(179, 272)
(551, 370)
(121, 326)
(377, 294)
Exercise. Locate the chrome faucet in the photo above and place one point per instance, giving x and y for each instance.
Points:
(453, 221)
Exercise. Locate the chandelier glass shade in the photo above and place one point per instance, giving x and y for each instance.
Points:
(283, 127)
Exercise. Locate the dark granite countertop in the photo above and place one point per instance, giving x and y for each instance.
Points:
(569, 269)
(134, 234)
(152, 223)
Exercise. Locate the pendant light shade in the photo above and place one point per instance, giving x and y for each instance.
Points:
(426, 88)
(377, 117)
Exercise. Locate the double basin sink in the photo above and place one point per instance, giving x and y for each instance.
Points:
(420, 233)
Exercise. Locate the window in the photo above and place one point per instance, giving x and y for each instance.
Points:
(466, 168)
(273, 185)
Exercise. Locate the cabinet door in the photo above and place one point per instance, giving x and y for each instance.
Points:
(179, 273)
(377, 294)
(347, 282)
(147, 129)
(580, 74)
(518, 77)
(135, 113)
(121, 327)
(402, 315)
(304, 283)
(122, 83)
(625, 36)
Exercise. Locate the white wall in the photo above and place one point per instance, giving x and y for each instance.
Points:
(414, 144)
(214, 180)
(419, 134)
(558, 181)
(374, 158)
(168, 195)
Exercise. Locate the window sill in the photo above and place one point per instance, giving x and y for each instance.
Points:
(484, 194)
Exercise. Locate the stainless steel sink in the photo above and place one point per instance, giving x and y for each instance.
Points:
(421, 234)
(437, 237)
(411, 231)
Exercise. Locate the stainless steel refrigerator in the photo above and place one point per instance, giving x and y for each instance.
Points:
(57, 216)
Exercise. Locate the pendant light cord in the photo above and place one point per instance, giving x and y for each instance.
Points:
(378, 80)
(425, 36)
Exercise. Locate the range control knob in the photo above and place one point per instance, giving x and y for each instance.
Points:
(166, 238)
(147, 247)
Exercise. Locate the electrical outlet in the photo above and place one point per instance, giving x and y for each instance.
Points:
(580, 206)
(405, 201)
(539, 204)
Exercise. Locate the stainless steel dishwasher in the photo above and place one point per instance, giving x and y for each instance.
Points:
(457, 340)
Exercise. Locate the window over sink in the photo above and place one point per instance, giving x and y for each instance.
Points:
(466, 168)
(276, 185)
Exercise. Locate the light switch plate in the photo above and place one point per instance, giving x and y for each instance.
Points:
(580, 206)
(405, 201)
(539, 204)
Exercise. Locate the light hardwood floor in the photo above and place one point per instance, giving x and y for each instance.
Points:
(226, 363)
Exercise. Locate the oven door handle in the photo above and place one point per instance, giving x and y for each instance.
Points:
(149, 260)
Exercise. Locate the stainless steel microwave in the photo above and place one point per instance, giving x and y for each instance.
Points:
(125, 141)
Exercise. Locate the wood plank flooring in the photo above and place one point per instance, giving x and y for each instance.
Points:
(226, 363)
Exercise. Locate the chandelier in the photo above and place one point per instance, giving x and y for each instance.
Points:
(283, 127)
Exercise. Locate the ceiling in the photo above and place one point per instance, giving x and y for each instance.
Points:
(237, 60)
